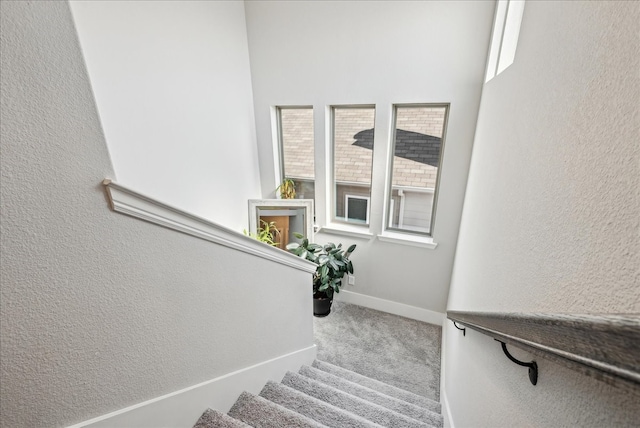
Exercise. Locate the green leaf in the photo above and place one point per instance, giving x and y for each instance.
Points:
(351, 249)
(334, 264)
(292, 246)
(298, 235)
(324, 270)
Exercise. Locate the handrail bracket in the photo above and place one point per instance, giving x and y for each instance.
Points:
(464, 330)
(533, 367)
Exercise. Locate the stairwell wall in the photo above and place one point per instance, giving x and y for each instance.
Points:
(99, 311)
(173, 88)
(366, 52)
(551, 220)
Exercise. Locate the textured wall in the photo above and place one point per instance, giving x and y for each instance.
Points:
(173, 88)
(99, 311)
(551, 220)
(376, 52)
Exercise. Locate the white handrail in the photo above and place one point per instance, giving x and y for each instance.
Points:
(129, 202)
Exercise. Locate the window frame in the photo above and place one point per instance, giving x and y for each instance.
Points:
(333, 187)
(389, 185)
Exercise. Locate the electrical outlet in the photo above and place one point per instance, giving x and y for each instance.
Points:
(352, 280)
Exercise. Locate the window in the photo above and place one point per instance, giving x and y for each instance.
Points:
(353, 128)
(415, 166)
(504, 39)
(357, 209)
(295, 126)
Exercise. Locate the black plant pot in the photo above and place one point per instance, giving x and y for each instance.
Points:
(322, 306)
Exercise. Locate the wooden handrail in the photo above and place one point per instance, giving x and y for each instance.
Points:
(606, 347)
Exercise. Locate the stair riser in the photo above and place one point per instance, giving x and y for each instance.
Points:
(391, 403)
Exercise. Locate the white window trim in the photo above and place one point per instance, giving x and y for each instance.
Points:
(504, 37)
(347, 230)
(408, 238)
(325, 178)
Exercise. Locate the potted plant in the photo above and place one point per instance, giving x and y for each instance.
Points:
(267, 233)
(287, 189)
(333, 262)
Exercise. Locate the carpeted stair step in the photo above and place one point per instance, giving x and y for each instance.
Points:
(215, 419)
(313, 408)
(391, 403)
(262, 413)
(376, 385)
(371, 411)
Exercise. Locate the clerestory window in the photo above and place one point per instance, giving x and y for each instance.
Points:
(504, 39)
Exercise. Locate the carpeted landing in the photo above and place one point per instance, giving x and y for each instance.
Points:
(399, 351)
(374, 370)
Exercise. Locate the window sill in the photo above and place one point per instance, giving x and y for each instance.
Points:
(407, 239)
(346, 230)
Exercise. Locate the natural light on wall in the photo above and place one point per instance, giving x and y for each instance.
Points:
(506, 30)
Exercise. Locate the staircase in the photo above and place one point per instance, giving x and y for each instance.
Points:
(325, 395)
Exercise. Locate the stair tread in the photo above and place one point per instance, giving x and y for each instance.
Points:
(361, 407)
(215, 419)
(259, 412)
(392, 403)
(313, 408)
(377, 385)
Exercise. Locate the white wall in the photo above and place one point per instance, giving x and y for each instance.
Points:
(99, 311)
(356, 52)
(173, 88)
(552, 212)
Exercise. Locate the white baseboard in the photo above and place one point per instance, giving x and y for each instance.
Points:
(395, 308)
(183, 408)
(446, 410)
(444, 400)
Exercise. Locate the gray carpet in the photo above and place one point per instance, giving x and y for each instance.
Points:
(320, 396)
(355, 405)
(379, 370)
(399, 351)
(260, 412)
(214, 418)
(403, 407)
